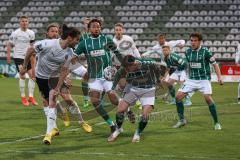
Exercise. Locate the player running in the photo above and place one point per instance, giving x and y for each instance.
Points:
(141, 75)
(157, 52)
(98, 59)
(199, 59)
(54, 57)
(125, 46)
(174, 60)
(20, 40)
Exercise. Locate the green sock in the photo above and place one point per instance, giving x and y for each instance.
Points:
(180, 110)
(142, 124)
(119, 119)
(213, 111)
(101, 111)
(171, 91)
(85, 90)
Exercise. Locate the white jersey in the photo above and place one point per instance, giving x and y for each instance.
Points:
(21, 41)
(51, 57)
(237, 58)
(125, 46)
(157, 49)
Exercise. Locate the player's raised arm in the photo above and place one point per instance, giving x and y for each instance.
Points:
(212, 61)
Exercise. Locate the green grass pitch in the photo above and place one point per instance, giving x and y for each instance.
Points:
(22, 129)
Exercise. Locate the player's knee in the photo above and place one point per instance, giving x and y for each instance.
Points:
(113, 98)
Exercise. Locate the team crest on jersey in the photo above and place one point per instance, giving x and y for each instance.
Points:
(124, 45)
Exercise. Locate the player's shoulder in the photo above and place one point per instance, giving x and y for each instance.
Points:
(30, 31)
(17, 31)
(47, 42)
(127, 37)
(189, 50)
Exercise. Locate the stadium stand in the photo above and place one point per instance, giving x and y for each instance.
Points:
(217, 20)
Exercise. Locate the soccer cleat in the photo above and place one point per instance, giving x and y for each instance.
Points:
(25, 101)
(136, 137)
(187, 103)
(47, 139)
(238, 101)
(85, 104)
(217, 126)
(115, 134)
(86, 127)
(33, 101)
(54, 132)
(131, 116)
(180, 123)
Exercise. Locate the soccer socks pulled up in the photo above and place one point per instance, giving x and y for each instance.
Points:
(180, 110)
(85, 90)
(22, 87)
(119, 119)
(51, 119)
(31, 86)
(74, 109)
(101, 111)
(213, 111)
(142, 124)
(45, 109)
(171, 91)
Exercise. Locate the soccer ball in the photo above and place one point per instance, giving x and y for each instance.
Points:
(109, 73)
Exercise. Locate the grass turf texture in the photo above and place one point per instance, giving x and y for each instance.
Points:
(22, 129)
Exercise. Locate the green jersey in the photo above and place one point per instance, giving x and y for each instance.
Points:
(84, 35)
(176, 61)
(98, 58)
(199, 63)
(145, 77)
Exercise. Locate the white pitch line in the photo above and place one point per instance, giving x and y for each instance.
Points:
(97, 124)
(120, 154)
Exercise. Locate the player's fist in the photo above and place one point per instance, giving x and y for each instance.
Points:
(220, 81)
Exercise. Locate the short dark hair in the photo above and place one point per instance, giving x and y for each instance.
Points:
(166, 46)
(128, 60)
(161, 35)
(52, 25)
(119, 25)
(23, 17)
(69, 31)
(196, 34)
(94, 20)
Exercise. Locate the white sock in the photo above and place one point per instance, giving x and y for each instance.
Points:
(51, 119)
(74, 109)
(45, 109)
(22, 87)
(60, 107)
(239, 90)
(31, 86)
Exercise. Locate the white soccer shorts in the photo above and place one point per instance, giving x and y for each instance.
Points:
(100, 84)
(190, 85)
(80, 71)
(179, 75)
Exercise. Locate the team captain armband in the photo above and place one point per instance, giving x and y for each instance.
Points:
(212, 60)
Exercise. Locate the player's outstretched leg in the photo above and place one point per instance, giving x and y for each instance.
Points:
(119, 120)
(180, 110)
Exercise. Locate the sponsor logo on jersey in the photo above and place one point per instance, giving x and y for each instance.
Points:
(97, 53)
(195, 65)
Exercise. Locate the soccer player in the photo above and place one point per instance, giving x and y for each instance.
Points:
(54, 59)
(20, 40)
(141, 74)
(157, 49)
(126, 46)
(98, 59)
(174, 60)
(237, 60)
(199, 59)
